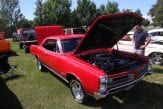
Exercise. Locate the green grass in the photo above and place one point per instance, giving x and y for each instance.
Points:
(32, 89)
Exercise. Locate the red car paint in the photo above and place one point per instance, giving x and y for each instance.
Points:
(46, 31)
(97, 44)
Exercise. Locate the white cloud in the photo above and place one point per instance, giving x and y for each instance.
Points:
(148, 17)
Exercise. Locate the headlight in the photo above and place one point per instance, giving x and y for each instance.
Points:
(103, 84)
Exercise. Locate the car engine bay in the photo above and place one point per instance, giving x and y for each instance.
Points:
(110, 62)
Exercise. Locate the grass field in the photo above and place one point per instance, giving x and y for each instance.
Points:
(29, 88)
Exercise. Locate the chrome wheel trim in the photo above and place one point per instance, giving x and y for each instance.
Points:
(39, 65)
(77, 91)
(157, 58)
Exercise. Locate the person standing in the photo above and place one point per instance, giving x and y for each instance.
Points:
(141, 40)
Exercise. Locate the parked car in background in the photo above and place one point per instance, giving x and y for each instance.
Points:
(75, 31)
(129, 36)
(87, 62)
(154, 49)
(5, 50)
(15, 36)
(27, 37)
(156, 34)
(4, 45)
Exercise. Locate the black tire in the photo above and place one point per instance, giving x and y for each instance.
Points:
(77, 91)
(40, 66)
(20, 46)
(4, 65)
(26, 50)
(157, 58)
(3, 58)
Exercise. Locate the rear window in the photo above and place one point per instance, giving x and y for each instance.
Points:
(79, 31)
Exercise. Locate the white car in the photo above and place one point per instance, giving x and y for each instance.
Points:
(74, 31)
(154, 50)
(156, 34)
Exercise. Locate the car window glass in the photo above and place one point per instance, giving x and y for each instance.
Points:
(154, 33)
(161, 33)
(51, 45)
(69, 31)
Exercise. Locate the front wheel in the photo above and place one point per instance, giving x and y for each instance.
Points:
(77, 91)
(40, 66)
(26, 49)
(157, 58)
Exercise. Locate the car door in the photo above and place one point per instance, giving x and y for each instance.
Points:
(52, 55)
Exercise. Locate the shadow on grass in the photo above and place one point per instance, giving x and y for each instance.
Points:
(144, 95)
(158, 70)
(7, 72)
(12, 77)
(13, 53)
(8, 99)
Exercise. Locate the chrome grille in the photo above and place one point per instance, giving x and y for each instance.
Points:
(120, 80)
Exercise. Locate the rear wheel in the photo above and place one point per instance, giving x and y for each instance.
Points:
(26, 49)
(20, 45)
(157, 58)
(77, 91)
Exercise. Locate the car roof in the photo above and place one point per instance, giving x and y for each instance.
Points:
(156, 30)
(61, 37)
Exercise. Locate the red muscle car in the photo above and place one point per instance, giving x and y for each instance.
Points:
(88, 62)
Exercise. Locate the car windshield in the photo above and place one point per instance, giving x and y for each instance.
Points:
(69, 44)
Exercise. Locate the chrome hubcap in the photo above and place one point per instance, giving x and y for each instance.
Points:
(39, 65)
(77, 90)
(158, 58)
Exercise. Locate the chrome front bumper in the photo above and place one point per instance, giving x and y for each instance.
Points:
(124, 87)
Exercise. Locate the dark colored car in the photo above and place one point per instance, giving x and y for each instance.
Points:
(27, 37)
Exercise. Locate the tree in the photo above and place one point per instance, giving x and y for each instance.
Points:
(56, 12)
(156, 13)
(75, 19)
(146, 22)
(10, 13)
(112, 7)
(102, 9)
(109, 8)
(24, 23)
(138, 12)
(84, 12)
(158, 18)
(38, 13)
(127, 10)
(152, 11)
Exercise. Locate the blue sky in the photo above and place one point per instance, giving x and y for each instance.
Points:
(28, 6)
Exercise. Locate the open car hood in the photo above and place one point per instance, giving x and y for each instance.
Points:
(107, 30)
